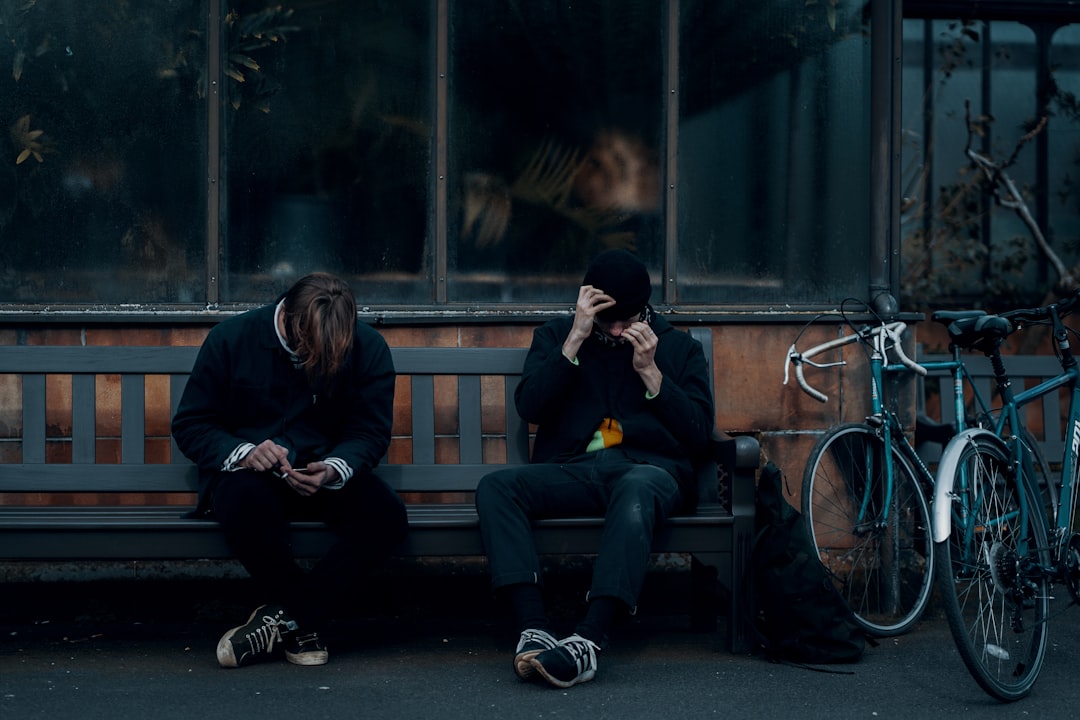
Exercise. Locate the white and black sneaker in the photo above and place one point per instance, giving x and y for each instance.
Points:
(256, 640)
(571, 662)
(530, 644)
(305, 649)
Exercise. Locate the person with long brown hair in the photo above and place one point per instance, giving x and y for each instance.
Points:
(287, 412)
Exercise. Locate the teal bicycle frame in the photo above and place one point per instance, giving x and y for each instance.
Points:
(1006, 430)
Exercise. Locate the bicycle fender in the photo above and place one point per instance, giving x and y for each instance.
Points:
(943, 482)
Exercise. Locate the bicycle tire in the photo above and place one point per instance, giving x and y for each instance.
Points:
(884, 571)
(993, 588)
(1046, 481)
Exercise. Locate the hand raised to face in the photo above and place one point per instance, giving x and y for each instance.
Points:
(591, 302)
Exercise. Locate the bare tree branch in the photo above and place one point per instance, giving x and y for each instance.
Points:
(1000, 184)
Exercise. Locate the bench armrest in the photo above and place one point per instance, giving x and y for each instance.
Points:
(745, 462)
(738, 459)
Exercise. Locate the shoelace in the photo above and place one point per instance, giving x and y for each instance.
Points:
(263, 639)
(302, 640)
(537, 636)
(582, 651)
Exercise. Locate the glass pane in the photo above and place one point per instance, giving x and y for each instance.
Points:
(328, 125)
(774, 152)
(943, 248)
(554, 136)
(102, 183)
(1015, 261)
(959, 247)
(1064, 138)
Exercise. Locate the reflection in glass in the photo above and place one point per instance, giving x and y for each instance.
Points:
(102, 179)
(554, 138)
(774, 152)
(327, 147)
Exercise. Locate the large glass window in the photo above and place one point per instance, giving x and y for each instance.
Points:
(439, 153)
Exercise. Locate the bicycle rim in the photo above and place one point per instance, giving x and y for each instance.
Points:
(989, 570)
(881, 561)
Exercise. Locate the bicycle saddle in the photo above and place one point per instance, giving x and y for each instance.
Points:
(979, 332)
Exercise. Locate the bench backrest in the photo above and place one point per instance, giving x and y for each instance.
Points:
(1044, 416)
(480, 374)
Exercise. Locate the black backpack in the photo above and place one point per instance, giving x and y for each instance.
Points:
(799, 615)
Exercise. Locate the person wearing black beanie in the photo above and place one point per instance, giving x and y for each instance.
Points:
(622, 405)
(624, 278)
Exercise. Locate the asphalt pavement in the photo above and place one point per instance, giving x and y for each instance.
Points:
(443, 650)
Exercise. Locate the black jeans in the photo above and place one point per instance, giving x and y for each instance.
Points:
(632, 497)
(254, 509)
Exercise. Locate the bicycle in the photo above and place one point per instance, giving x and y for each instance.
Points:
(865, 508)
(999, 545)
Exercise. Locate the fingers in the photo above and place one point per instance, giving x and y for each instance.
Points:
(593, 300)
(307, 481)
(267, 456)
(641, 335)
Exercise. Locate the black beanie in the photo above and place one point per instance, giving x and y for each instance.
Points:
(624, 277)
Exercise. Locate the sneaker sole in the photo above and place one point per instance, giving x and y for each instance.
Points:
(308, 658)
(583, 677)
(523, 665)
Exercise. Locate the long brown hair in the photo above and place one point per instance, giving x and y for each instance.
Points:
(320, 323)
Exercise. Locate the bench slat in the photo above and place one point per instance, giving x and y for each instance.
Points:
(183, 478)
(178, 360)
(83, 419)
(423, 419)
(33, 399)
(98, 359)
(470, 420)
(132, 419)
(461, 361)
(162, 532)
(177, 383)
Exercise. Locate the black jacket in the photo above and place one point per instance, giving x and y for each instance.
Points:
(244, 388)
(567, 402)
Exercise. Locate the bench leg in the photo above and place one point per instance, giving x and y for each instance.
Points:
(707, 593)
(719, 581)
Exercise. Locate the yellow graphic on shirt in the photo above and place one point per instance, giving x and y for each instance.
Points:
(609, 434)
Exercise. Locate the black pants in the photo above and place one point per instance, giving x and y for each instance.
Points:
(633, 498)
(254, 509)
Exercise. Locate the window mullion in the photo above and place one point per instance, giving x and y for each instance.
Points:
(213, 152)
(671, 148)
(442, 62)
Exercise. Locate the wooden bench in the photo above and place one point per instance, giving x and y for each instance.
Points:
(1044, 419)
(442, 518)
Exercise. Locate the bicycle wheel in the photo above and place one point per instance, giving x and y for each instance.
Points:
(880, 557)
(990, 572)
